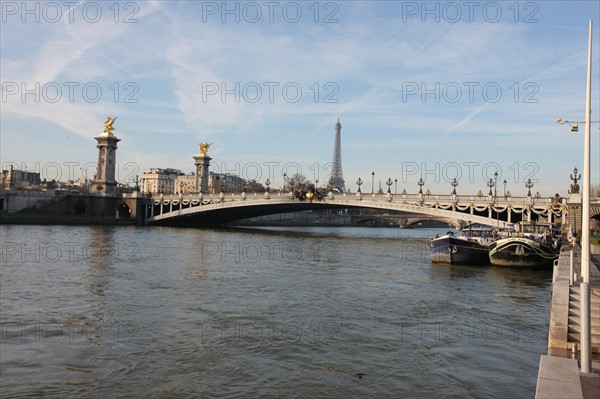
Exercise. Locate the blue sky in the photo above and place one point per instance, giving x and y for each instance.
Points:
(432, 89)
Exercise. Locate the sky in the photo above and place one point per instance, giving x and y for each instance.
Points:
(437, 90)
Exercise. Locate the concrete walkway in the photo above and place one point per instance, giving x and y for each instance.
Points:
(559, 375)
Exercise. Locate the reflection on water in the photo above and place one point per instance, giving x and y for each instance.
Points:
(101, 252)
(261, 312)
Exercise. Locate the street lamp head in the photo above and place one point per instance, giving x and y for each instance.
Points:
(560, 121)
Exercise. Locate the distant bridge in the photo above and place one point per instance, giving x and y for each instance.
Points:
(459, 210)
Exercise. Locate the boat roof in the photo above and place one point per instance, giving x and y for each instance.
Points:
(536, 222)
(480, 228)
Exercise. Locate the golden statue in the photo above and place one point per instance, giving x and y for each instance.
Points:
(108, 125)
(204, 148)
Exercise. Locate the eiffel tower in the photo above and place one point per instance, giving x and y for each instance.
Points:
(337, 178)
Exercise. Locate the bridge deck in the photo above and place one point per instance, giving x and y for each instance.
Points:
(454, 208)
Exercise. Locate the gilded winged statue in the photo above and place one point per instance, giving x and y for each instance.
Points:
(204, 148)
(108, 125)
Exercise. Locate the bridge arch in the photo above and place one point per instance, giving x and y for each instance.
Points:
(203, 211)
(79, 207)
(595, 211)
(453, 222)
(124, 211)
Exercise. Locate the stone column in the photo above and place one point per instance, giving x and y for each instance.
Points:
(104, 182)
(202, 162)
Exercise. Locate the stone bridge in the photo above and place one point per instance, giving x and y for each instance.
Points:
(207, 210)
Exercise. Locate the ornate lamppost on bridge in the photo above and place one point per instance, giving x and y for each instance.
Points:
(389, 184)
(421, 183)
(373, 182)
(395, 186)
(490, 184)
(575, 176)
(496, 199)
(359, 183)
(454, 183)
(529, 186)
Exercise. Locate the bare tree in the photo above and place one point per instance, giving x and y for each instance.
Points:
(299, 182)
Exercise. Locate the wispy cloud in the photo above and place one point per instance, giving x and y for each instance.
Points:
(470, 116)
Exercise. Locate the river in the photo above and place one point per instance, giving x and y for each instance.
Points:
(270, 312)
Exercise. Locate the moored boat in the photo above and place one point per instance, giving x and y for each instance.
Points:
(528, 250)
(467, 248)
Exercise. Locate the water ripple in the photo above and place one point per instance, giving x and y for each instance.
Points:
(270, 312)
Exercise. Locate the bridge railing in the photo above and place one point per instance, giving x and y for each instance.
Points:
(445, 199)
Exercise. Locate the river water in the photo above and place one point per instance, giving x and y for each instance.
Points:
(272, 312)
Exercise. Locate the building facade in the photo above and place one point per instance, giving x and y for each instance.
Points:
(14, 178)
(160, 181)
(185, 184)
(226, 182)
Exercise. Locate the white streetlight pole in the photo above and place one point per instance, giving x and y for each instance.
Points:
(586, 359)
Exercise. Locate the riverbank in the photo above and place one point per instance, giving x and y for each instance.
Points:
(42, 219)
(559, 374)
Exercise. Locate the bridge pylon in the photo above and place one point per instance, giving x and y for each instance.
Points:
(202, 162)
